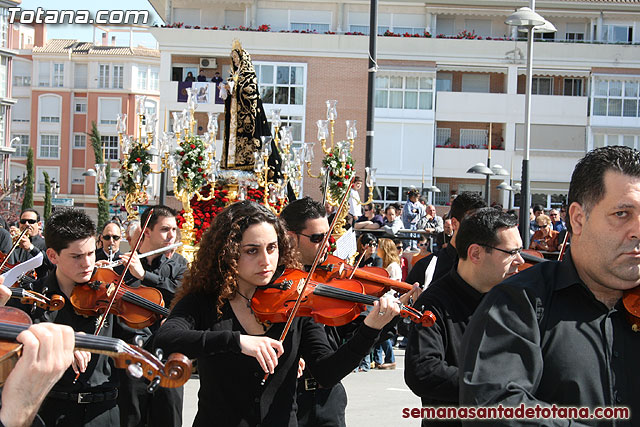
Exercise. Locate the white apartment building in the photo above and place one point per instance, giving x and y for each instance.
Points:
(436, 97)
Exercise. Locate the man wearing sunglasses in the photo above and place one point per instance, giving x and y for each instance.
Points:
(109, 247)
(31, 243)
(488, 245)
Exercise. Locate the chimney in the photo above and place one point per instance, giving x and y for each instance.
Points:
(104, 39)
(40, 35)
(113, 40)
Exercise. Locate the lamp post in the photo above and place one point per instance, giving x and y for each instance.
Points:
(526, 18)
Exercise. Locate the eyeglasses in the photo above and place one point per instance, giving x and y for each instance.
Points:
(109, 237)
(315, 238)
(553, 214)
(30, 221)
(512, 252)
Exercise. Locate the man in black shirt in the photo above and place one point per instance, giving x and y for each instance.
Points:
(31, 243)
(164, 406)
(447, 258)
(556, 333)
(306, 222)
(488, 245)
(91, 400)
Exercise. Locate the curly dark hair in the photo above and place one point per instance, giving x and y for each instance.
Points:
(215, 267)
(65, 226)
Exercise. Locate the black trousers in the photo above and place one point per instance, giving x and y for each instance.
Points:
(139, 408)
(323, 407)
(67, 413)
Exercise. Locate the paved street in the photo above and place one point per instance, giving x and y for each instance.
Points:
(376, 398)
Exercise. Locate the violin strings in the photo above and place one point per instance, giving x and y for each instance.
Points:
(343, 294)
(145, 303)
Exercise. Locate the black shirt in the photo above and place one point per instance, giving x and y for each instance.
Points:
(434, 354)
(164, 274)
(447, 259)
(373, 261)
(20, 255)
(98, 375)
(542, 337)
(230, 391)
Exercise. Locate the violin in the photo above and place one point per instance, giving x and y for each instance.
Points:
(376, 280)
(138, 362)
(335, 303)
(138, 307)
(55, 303)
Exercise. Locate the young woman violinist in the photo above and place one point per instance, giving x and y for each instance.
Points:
(212, 321)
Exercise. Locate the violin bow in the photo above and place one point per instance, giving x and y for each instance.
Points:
(316, 262)
(103, 316)
(564, 246)
(13, 248)
(357, 263)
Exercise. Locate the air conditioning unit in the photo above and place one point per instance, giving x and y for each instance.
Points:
(208, 63)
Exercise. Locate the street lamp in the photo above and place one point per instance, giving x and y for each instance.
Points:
(55, 188)
(528, 20)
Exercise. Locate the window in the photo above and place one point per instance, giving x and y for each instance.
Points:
(110, 147)
(481, 27)
(80, 76)
(80, 106)
(21, 73)
(22, 80)
(233, 18)
(600, 140)
(615, 98)
(20, 112)
(473, 138)
(475, 83)
(118, 77)
(4, 27)
(386, 194)
(542, 86)
(617, 33)
(21, 145)
(409, 93)
(79, 141)
(103, 76)
(109, 108)
(54, 173)
(544, 36)
(76, 176)
(445, 26)
(443, 137)
(281, 84)
(441, 198)
(49, 109)
(572, 87)
(142, 78)
(49, 146)
(44, 79)
(154, 79)
(58, 75)
(309, 27)
(444, 82)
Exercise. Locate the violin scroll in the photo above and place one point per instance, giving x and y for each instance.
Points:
(426, 319)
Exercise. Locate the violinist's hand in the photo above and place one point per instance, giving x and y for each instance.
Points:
(301, 366)
(409, 297)
(266, 350)
(102, 263)
(136, 268)
(25, 242)
(80, 360)
(5, 293)
(385, 309)
(46, 353)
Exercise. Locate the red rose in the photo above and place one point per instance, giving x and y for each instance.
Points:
(331, 173)
(138, 159)
(204, 175)
(184, 174)
(182, 153)
(199, 169)
(186, 162)
(340, 184)
(192, 146)
(225, 200)
(199, 157)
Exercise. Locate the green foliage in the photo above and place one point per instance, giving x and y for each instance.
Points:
(103, 205)
(192, 159)
(47, 196)
(139, 158)
(339, 173)
(27, 202)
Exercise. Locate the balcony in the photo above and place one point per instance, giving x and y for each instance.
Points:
(454, 162)
(505, 108)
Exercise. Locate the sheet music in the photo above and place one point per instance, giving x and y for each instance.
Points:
(11, 276)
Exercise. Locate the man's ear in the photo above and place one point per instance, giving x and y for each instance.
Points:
(577, 218)
(292, 238)
(454, 224)
(52, 255)
(474, 253)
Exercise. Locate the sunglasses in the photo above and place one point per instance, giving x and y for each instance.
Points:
(314, 238)
(399, 248)
(28, 221)
(109, 237)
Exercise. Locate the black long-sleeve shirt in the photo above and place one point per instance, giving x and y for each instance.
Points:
(230, 391)
(433, 354)
(164, 274)
(542, 337)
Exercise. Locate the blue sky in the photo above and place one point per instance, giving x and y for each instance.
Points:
(85, 32)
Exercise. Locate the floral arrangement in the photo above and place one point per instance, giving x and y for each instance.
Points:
(337, 181)
(388, 33)
(192, 160)
(204, 211)
(138, 158)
